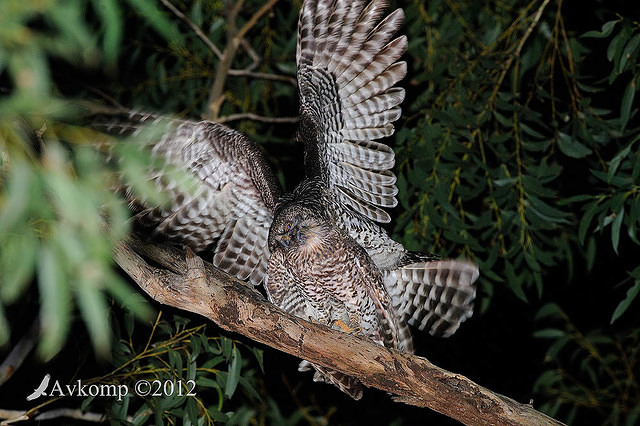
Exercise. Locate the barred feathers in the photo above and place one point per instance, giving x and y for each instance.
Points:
(347, 69)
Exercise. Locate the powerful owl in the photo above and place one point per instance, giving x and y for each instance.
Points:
(319, 251)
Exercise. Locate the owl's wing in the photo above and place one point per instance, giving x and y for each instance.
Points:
(347, 70)
(228, 196)
(433, 295)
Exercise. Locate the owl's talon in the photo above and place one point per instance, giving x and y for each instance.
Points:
(344, 327)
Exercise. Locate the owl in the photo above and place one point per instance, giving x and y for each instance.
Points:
(319, 251)
(318, 272)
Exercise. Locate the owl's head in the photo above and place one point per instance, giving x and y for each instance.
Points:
(296, 228)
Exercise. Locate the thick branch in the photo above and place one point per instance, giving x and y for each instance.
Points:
(196, 286)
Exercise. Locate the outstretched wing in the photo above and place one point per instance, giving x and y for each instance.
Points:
(433, 295)
(347, 69)
(228, 196)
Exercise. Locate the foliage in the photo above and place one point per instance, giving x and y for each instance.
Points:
(524, 155)
(60, 219)
(187, 376)
(518, 148)
(589, 372)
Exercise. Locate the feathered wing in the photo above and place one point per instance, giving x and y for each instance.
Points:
(348, 66)
(228, 196)
(433, 295)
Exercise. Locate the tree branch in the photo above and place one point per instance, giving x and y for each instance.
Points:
(234, 39)
(256, 117)
(193, 27)
(264, 76)
(196, 286)
(15, 416)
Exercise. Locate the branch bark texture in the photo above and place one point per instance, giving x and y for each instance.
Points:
(189, 283)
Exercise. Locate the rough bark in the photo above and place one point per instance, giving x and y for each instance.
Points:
(189, 283)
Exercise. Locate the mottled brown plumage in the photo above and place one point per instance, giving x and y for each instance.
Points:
(319, 273)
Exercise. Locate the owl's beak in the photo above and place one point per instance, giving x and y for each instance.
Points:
(284, 240)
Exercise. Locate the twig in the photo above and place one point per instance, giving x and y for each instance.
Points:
(516, 54)
(19, 352)
(194, 27)
(215, 94)
(264, 76)
(14, 416)
(234, 38)
(256, 117)
(255, 58)
(254, 19)
(236, 306)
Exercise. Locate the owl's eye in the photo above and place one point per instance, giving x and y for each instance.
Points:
(287, 226)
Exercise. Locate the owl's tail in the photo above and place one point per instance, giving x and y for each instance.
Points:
(347, 384)
(434, 295)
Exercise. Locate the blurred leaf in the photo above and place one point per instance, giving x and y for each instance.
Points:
(94, 312)
(111, 14)
(55, 300)
(623, 306)
(158, 20)
(17, 264)
(5, 329)
(550, 310)
(549, 333)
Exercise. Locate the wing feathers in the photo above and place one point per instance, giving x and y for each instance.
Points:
(436, 295)
(220, 189)
(380, 84)
(347, 69)
(363, 156)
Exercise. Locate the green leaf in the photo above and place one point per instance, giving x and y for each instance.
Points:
(111, 14)
(615, 162)
(234, 373)
(227, 346)
(514, 283)
(547, 379)
(607, 29)
(55, 299)
(622, 307)
(5, 328)
(206, 382)
(571, 146)
(259, 355)
(585, 222)
(550, 310)
(158, 20)
(629, 53)
(95, 315)
(129, 298)
(17, 196)
(615, 229)
(192, 411)
(17, 264)
(549, 333)
(627, 102)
